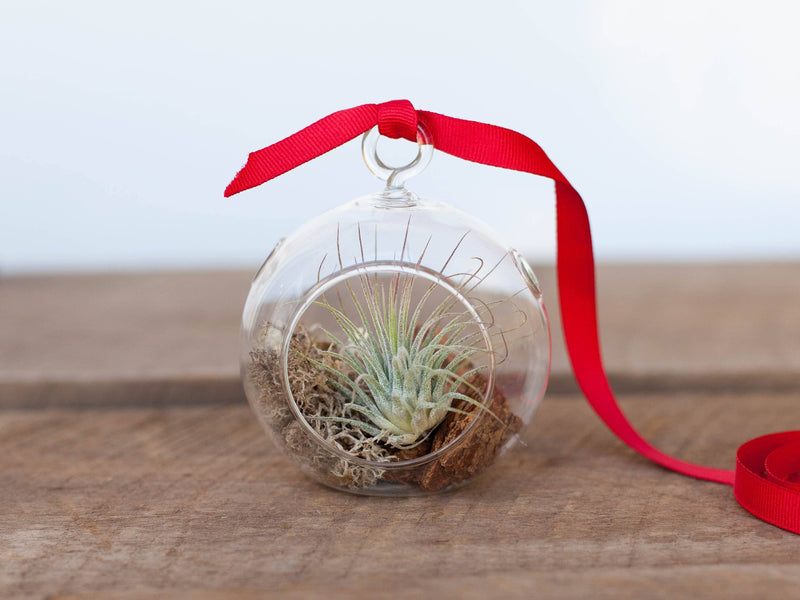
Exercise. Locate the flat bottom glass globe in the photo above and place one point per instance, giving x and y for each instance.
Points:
(393, 346)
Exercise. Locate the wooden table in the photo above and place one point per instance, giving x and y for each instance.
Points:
(131, 466)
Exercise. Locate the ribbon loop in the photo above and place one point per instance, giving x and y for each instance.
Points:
(398, 119)
(765, 479)
(782, 465)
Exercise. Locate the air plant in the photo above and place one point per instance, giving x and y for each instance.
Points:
(408, 362)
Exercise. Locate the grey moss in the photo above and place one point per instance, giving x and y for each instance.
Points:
(317, 401)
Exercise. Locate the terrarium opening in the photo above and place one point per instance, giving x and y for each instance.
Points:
(380, 354)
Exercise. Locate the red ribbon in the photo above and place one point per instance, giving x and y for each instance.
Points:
(766, 477)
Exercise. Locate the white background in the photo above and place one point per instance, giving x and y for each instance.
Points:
(122, 123)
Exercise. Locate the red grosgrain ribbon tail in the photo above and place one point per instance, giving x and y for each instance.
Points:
(766, 477)
(315, 140)
(395, 119)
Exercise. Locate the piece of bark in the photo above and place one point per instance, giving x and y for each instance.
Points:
(410, 475)
(476, 451)
(481, 444)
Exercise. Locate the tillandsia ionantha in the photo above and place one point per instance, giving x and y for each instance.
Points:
(408, 361)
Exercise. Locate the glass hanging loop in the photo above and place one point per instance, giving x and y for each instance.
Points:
(396, 177)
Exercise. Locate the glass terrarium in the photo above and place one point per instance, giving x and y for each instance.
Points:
(391, 346)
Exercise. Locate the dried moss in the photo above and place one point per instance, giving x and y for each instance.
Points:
(316, 400)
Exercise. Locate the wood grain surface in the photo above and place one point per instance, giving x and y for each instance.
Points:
(149, 500)
(154, 336)
(131, 467)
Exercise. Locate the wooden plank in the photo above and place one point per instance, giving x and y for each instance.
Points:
(120, 326)
(158, 335)
(130, 502)
(716, 581)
